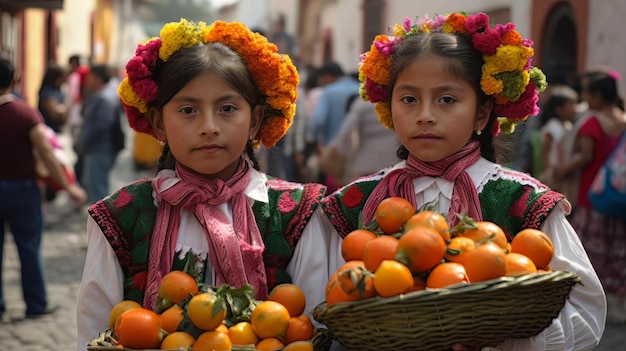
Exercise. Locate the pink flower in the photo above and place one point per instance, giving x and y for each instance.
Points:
(486, 42)
(123, 198)
(408, 23)
(375, 92)
(147, 89)
(136, 69)
(477, 23)
(495, 128)
(387, 47)
(286, 204)
(525, 106)
(137, 120)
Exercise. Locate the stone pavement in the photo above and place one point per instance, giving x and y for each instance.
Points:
(64, 247)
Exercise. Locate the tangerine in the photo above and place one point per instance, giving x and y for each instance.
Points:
(536, 245)
(242, 334)
(518, 264)
(206, 311)
(484, 262)
(379, 249)
(300, 329)
(139, 328)
(171, 318)
(290, 296)
(356, 282)
(299, 346)
(353, 245)
(269, 344)
(392, 278)
(392, 213)
(178, 340)
(270, 319)
(212, 340)
(175, 286)
(120, 308)
(457, 247)
(420, 249)
(446, 274)
(430, 219)
(487, 231)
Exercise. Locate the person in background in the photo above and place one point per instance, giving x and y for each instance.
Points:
(440, 91)
(604, 237)
(209, 203)
(22, 130)
(556, 121)
(52, 103)
(97, 138)
(75, 96)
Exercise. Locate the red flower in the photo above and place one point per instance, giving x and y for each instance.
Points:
(353, 197)
(123, 198)
(140, 280)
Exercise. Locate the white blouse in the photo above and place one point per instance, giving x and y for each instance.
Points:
(102, 281)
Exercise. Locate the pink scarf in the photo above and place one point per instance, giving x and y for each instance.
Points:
(399, 182)
(236, 249)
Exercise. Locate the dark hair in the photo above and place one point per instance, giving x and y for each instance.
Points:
(559, 96)
(74, 59)
(332, 68)
(464, 61)
(601, 82)
(52, 75)
(186, 64)
(101, 71)
(7, 73)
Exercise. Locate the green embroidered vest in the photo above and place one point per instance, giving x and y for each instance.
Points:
(511, 199)
(127, 219)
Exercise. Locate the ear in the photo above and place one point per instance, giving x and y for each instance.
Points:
(256, 121)
(156, 121)
(482, 117)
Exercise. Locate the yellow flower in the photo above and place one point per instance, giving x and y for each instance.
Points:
(490, 85)
(383, 109)
(398, 30)
(178, 35)
(130, 98)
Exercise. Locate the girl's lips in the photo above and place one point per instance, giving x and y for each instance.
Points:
(209, 148)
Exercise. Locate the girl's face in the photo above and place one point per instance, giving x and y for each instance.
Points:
(207, 125)
(434, 112)
(567, 111)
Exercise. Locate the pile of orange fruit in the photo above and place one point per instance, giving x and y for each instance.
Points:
(195, 319)
(404, 250)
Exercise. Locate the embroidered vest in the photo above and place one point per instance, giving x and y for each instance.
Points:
(127, 218)
(511, 199)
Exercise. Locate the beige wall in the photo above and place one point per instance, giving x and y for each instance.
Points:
(34, 62)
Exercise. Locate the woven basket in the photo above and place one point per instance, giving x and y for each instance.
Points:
(479, 314)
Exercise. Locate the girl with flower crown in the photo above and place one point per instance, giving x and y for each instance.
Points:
(447, 86)
(210, 94)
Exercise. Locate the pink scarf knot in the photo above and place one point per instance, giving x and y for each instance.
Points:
(236, 249)
(399, 182)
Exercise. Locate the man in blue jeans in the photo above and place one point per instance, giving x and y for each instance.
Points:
(22, 130)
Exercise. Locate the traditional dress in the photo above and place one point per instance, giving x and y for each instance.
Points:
(514, 201)
(295, 233)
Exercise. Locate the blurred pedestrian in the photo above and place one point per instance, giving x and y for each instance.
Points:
(22, 130)
(75, 96)
(604, 237)
(99, 140)
(52, 103)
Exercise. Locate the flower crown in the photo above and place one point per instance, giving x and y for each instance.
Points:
(274, 74)
(507, 74)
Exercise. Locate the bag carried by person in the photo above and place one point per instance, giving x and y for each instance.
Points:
(608, 190)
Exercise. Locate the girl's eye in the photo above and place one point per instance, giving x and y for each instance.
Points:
(187, 110)
(228, 108)
(447, 99)
(408, 99)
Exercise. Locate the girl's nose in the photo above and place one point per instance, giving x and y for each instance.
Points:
(208, 124)
(424, 114)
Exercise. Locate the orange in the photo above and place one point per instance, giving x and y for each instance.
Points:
(290, 296)
(379, 249)
(139, 328)
(446, 274)
(299, 346)
(333, 291)
(518, 264)
(242, 334)
(212, 340)
(535, 244)
(357, 282)
(487, 231)
(392, 213)
(457, 247)
(300, 329)
(269, 344)
(420, 249)
(430, 219)
(206, 311)
(392, 278)
(353, 244)
(171, 318)
(120, 308)
(270, 319)
(175, 287)
(222, 328)
(484, 262)
(418, 284)
(179, 340)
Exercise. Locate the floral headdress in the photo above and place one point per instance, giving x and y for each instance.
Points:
(507, 74)
(274, 74)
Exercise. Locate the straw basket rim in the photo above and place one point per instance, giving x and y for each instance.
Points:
(477, 314)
